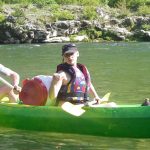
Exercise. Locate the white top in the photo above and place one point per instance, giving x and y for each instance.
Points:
(46, 80)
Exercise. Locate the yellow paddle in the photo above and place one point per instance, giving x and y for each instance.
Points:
(76, 110)
(105, 98)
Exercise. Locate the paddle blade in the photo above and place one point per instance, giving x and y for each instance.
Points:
(106, 97)
(72, 109)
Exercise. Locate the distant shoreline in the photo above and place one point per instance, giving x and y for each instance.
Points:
(70, 23)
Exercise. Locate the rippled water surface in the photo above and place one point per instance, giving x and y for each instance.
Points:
(23, 140)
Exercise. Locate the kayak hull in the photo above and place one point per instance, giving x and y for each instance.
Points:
(124, 121)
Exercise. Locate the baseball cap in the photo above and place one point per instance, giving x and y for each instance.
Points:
(69, 48)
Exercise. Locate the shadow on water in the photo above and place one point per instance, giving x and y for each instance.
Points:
(11, 139)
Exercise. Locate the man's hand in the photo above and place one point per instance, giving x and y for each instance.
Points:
(99, 100)
(57, 76)
(17, 89)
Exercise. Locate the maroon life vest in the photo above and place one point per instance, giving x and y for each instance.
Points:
(76, 91)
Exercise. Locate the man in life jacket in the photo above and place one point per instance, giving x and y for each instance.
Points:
(6, 91)
(71, 82)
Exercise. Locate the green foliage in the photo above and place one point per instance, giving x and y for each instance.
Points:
(124, 11)
(38, 2)
(144, 10)
(18, 13)
(112, 3)
(15, 1)
(146, 27)
(89, 13)
(82, 32)
(63, 15)
(137, 3)
(63, 2)
(109, 35)
(105, 2)
(2, 18)
(1, 8)
(107, 38)
(134, 4)
(41, 3)
(88, 2)
(93, 34)
(66, 1)
(1, 3)
(72, 38)
(20, 21)
(55, 7)
(79, 2)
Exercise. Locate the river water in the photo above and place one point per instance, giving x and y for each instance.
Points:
(120, 68)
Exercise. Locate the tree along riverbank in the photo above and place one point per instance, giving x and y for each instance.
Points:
(22, 23)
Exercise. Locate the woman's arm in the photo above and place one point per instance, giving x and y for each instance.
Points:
(57, 82)
(94, 93)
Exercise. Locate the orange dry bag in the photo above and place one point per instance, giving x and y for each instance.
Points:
(33, 92)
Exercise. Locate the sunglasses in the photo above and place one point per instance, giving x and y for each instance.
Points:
(68, 54)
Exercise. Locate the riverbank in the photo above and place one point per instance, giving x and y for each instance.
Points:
(21, 23)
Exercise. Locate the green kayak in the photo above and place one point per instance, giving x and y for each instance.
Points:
(122, 121)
